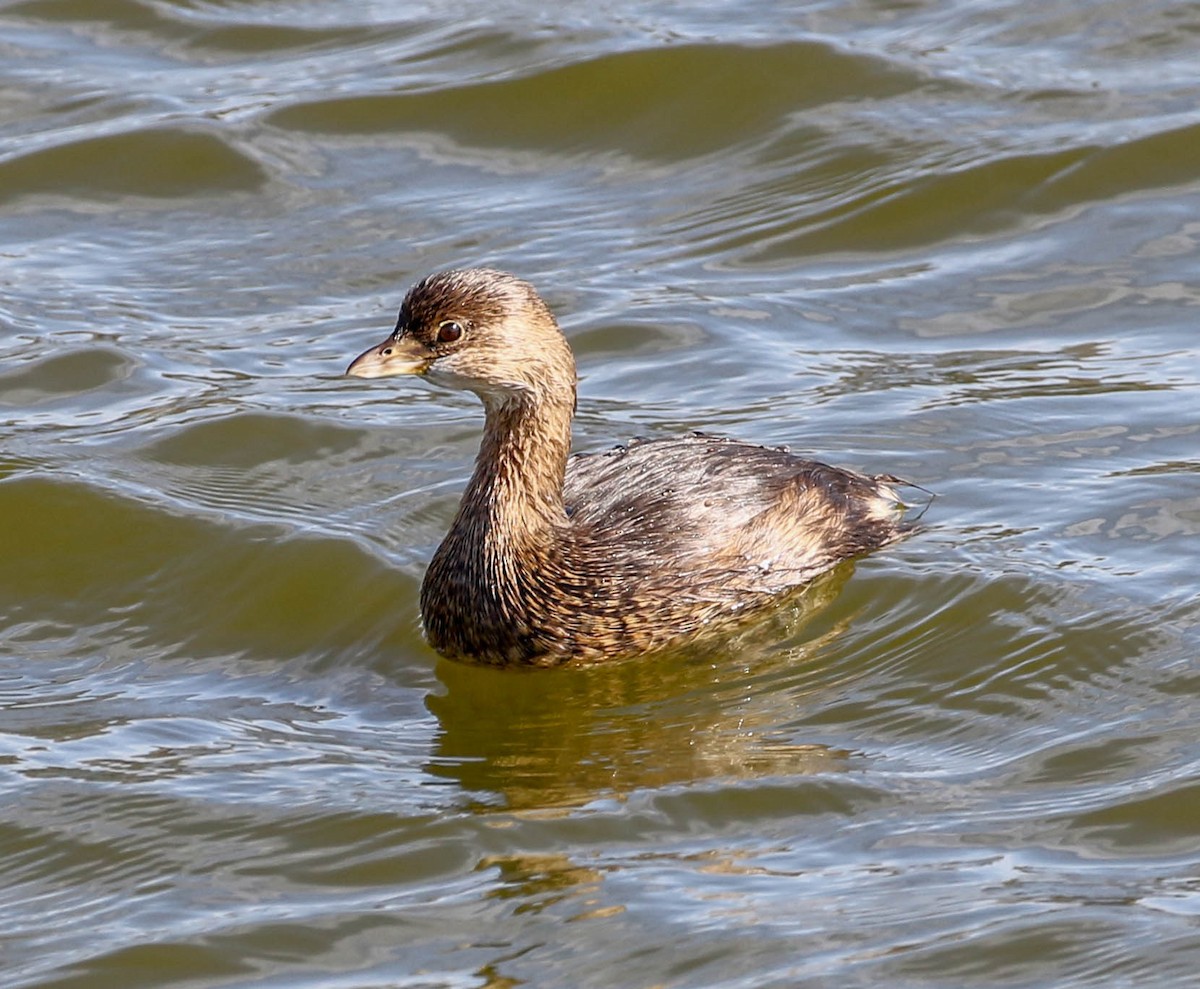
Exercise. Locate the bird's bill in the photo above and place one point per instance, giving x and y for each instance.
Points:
(403, 355)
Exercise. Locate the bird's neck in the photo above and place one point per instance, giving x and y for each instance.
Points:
(516, 491)
(480, 594)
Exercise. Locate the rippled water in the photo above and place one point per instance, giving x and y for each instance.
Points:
(955, 241)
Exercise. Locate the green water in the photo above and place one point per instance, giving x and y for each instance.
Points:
(953, 241)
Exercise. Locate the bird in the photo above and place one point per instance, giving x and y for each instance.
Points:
(556, 558)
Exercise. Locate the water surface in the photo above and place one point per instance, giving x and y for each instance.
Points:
(954, 241)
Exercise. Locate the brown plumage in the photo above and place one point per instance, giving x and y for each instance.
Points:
(554, 557)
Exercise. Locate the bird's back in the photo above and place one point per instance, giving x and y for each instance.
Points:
(754, 519)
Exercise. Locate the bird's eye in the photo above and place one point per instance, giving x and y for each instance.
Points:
(449, 330)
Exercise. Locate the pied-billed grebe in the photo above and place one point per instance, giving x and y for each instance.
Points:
(554, 557)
